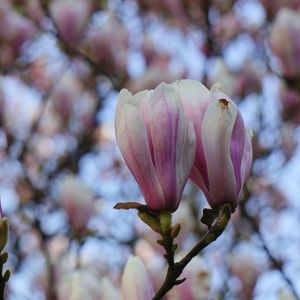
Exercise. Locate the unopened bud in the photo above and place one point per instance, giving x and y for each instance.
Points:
(175, 231)
(150, 220)
(3, 233)
(6, 275)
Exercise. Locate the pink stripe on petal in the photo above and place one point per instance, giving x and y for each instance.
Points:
(246, 160)
(132, 140)
(165, 129)
(237, 148)
(200, 161)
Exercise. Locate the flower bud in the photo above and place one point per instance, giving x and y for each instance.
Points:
(85, 284)
(77, 201)
(107, 44)
(70, 17)
(247, 268)
(136, 284)
(223, 146)
(285, 42)
(157, 144)
(4, 228)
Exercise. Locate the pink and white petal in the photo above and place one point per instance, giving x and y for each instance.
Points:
(200, 162)
(246, 160)
(196, 176)
(237, 146)
(136, 283)
(167, 132)
(125, 97)
(193, 94)
(145, 109)
(195, 98)
(186, 159)
(216, 133)
(132, 140)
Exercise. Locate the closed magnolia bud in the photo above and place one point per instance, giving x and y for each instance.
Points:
(70, 17)
(157, 143)
(223, 146)
(107, 44)
(85, 284)
(77, 201)
(109, 291)
(136, 284)
(247, 268)
(285, 41)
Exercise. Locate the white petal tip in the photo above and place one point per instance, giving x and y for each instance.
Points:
(216, 87)
(250, 133)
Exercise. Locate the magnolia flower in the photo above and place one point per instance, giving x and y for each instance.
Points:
(285, 41)
(70, 17)
(223, 146)
(247, 268)
(136, 284)
(273, 6)
(107, 45)
(85, 284)
(77, 201)
(157, 144)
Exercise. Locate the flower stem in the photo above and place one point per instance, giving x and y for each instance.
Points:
(175, 269)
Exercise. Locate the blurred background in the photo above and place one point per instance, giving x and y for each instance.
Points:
(62, 64)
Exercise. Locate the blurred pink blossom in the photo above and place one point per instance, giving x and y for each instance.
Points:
(15, 30)
(227, 27)
(136, 284)
(70, 17)
(85, 284)
(290, 104)
(285, 41)
(151, 256)
(273, 6)
(108, 45)
(77, 201)
(247, 269)
(30, 8)
(223, 75)
(248, 79)
(237, 83)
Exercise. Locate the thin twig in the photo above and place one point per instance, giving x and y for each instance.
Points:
(175, 270)
(276, 264)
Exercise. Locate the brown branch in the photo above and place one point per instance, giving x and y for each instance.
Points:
(175, 270)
